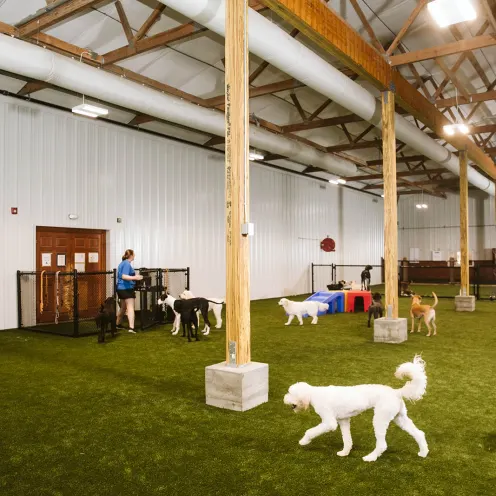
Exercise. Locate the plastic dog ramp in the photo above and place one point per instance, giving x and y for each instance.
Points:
(334, 300)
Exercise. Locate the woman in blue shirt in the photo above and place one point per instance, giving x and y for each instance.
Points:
(126, 279)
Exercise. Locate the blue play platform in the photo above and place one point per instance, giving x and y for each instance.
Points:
(334, 300)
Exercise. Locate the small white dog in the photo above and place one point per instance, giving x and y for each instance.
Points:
(337, 404)
(300, 308)
(214, 305)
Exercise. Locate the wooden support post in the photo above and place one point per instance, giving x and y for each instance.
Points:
(390, 204)
(237, 185)
(464, 263)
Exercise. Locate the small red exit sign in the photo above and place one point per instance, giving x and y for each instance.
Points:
(13, 210)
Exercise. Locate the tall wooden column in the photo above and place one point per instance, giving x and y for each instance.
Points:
(464, 263)
(237, 185)
(390, 203)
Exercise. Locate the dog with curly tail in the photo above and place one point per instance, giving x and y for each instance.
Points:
(337, 404)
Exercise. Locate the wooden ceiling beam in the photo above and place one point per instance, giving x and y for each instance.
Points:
(265, 64)
(406, 26)
(472, 98)
(268, 89)
(373, 38)
(320, 109)
(444, 50)
(478, 104)
(317, 124)
(454, 79)
(50, 16)
(459, 62)
(65, 48)
(470, 56)
(8, 29)
(148, 24)
(141, 119)
(334, 35)
(489, 13)
(408, 173)
(156, 41)
(399, 160)
(298, 106)
(124, 21)
(32, 87)
(355, 146)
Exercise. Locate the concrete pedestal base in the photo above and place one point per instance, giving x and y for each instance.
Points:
(464, 303)
(237, 388)
(390, 330)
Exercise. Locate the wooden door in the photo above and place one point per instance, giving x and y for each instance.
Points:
(64, 249)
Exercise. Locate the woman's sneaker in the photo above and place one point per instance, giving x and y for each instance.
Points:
(132, 331)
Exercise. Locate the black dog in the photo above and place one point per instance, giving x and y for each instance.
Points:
(365, 276)
(106, 317)
(187, 310)
(376, 309)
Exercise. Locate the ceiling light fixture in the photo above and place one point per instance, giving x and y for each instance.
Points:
(341, 181)
(422, 205)
(448, 12)
(256, 156)
(457, 127)
(89, 110)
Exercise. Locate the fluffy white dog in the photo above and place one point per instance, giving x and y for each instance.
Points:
(337, 404)
(214, 305)
(300, 308)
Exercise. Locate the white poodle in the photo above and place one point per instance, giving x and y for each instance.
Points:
(302, 308)
(214, 305)
(337, 404)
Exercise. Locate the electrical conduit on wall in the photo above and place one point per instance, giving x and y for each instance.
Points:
(274, 45)
(25, 59)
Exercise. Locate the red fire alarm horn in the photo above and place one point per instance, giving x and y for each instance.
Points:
(328, 245)
(13, 210)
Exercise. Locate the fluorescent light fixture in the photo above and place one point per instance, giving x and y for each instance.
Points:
(333, 181)
(382, 196)
(256, 156)
(451, 129)
(424, 205)
(90, 110)
(341, 181)
(448, 12)
(419, 206)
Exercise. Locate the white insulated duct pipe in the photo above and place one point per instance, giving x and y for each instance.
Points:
(38, 63)
(274, 45)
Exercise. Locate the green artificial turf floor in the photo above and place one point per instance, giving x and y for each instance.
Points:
(129, 417)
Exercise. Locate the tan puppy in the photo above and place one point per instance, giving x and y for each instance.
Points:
(417, 311)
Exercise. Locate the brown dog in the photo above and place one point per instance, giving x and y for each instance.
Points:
(417, 311)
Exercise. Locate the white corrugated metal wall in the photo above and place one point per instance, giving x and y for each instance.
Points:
(170, 196)
(438, 227)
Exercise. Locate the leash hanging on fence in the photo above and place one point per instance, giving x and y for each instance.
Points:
(57, 297)
(43, 291)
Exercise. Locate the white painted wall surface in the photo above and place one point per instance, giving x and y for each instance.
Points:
(170, 196)
(438, 227)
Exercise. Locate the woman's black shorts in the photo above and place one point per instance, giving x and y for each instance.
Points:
(125, 294)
